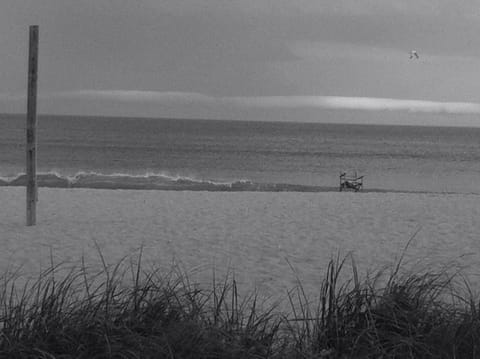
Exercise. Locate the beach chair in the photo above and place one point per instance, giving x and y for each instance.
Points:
(351, 181)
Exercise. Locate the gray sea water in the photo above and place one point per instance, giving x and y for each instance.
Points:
(180, 154)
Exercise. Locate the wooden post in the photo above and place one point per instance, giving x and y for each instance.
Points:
(31, 148)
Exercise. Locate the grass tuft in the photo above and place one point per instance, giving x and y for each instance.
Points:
(125, 311)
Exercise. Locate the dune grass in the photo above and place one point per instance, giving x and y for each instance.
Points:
(127, 311)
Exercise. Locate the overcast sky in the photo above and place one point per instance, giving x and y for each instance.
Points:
(244, 59)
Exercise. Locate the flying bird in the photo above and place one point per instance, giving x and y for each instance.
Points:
(413, 54)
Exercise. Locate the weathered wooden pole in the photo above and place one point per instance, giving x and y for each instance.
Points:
(31, 147)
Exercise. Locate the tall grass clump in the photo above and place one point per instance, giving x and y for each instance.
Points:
(412, 315)
(152, 316)
(127, 311)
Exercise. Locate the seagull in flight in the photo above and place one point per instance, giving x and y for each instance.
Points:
(413, 54)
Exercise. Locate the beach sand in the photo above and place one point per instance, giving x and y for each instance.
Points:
(266, 239)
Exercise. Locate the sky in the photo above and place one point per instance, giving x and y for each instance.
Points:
(301, 60)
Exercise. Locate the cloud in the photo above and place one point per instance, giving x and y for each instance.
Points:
(377, 104)
(288, 7)
(192, 99)
(130, 96)
(270, 102)
(358, 103)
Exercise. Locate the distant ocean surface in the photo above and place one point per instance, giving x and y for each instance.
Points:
(213, 155)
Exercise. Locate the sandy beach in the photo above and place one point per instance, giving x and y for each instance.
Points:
(266, 239)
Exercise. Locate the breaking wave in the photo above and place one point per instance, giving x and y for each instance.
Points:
(152, 181)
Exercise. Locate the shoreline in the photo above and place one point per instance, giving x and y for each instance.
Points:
(229, 189)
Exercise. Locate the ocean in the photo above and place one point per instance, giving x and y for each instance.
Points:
(216, 155)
